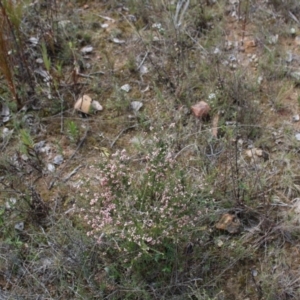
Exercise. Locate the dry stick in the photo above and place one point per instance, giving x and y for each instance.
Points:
(121, 132)
(72, 173)
(67, 162)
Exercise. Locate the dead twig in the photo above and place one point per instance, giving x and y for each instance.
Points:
(121, 132)
(68, 161)
(72, 173)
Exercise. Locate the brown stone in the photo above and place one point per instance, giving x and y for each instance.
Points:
(229, 223)
(201, 109)
(83, 104)
(249, 43)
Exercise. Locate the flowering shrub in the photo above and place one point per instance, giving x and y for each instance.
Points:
(143, 210)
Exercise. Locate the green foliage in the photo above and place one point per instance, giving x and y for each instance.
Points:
(73, 131)
(46, 59)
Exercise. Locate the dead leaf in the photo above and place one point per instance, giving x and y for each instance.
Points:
(83, 104)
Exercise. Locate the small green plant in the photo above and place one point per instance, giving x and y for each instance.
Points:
(73, 131)
(46, 59)
(27, 144)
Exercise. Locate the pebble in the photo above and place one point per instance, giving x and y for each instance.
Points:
(136, 105)
(58, 159)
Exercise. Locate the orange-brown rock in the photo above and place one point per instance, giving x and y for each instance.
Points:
(200, 109)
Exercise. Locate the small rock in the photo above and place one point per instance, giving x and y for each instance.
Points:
(229, 223)
(44, 74)
(258, 152)
(126, 88)
(97, 106)
(289, 57)
(10, 203)
(144, 70)
(38, 146)
(297, 40)
(293, 31)
(117, 41)
(254, 152)
(6, 132)
(5, 113)
(34, 41)
(220, 243)
(273, 39)
(58, 159)
(228, 45)
(86, 50)
(83, 104)
(104, 25)
(249, 43)
(19, 226)
(201, 109)
(136, 105)
(24, 157)
(297, 136)
(296, 75)
(51, 167)
(217, 51)
(296, 118)
(260, 80)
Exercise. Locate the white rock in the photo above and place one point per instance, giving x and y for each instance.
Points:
(38, 146)
(87, 49)
(58, 159)
(296, 118)
(6, 132)
(19, 226)
(34, 41)
(51, 167)
(144, 70)
(5, 113)
(97, 106)
(273, 39)
(126, 88)
(136, 105)
(118, 41)
(296, 75)
(297, 136)
(10, 203)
